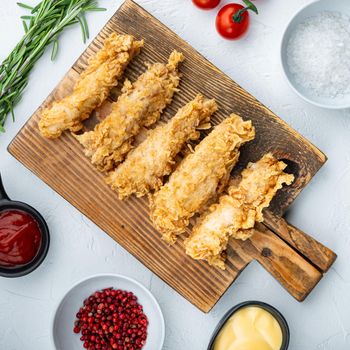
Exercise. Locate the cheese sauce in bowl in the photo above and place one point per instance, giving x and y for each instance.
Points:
(251, 325)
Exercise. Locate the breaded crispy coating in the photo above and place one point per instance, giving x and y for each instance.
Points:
(92, 87)
(237, 212)
(140, 104)
(146, 165)
(198, 177)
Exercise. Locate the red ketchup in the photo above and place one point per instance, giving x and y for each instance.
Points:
(20, 238)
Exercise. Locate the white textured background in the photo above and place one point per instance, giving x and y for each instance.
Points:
(79, 248)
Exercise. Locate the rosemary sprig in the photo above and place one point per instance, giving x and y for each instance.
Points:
(42, 28)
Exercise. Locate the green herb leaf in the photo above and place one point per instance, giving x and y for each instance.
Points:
(24, 6)
(25, 26)
(96, 9)
(83, 19)
(54, 50)
(27, 17)
(82, 29)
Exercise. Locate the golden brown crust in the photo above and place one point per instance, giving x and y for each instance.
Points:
(92, 87)
(198, 177)
(140, 104)
(236, 212)
(146, 165)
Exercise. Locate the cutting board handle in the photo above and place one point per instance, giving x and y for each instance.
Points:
(292, 270)
(315, 252)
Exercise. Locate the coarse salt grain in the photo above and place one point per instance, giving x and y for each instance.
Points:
(318, 54)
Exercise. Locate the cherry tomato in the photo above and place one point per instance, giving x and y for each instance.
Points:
(206, 4)
(232, 21)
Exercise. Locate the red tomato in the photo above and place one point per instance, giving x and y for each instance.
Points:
(232, 21)
(206, 4)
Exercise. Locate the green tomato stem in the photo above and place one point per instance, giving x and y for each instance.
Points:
(237, 17)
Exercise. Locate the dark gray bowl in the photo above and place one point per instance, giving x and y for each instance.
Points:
(274, 312)
(18, 271)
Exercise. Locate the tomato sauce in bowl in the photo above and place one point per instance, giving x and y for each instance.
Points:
(20, 238)
(24, 237)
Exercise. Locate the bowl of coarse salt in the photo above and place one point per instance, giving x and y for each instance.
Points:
(315, 53)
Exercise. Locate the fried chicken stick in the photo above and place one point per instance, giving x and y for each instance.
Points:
(145, 166)
(140, 105)
(236, 213)
(198, 177)
(92, 87)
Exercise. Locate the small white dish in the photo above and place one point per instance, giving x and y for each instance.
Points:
(65, 313)
(309, 10)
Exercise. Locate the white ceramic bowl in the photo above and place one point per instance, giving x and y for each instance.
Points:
(309, 10)
(64, 316)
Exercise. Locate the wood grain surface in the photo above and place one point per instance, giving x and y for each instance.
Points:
(295, 259)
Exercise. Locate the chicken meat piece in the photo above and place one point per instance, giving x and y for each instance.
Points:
(92, 87)
(237, 212)
(140, 105)
(198, 177)
(146, 165)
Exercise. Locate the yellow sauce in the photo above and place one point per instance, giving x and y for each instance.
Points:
(250, 328)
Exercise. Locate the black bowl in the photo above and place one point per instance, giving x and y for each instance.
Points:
(6, 204)
(274, 312)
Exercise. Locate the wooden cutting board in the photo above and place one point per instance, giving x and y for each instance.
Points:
(295, 259)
